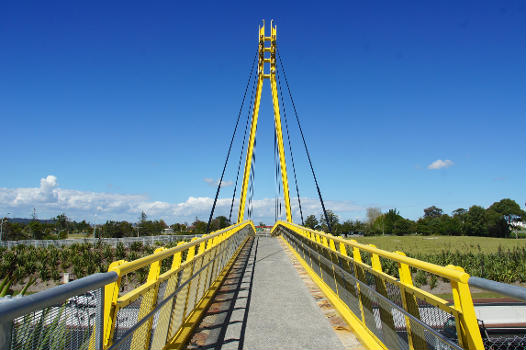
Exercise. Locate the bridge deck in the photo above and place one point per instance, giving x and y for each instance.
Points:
(264, 304)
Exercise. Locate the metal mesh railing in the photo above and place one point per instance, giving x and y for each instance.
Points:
(396, 314)
(510, 342)
(158, 312)
(65, 326)
(69, 316)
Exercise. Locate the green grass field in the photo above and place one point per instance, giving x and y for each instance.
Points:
(434, 244)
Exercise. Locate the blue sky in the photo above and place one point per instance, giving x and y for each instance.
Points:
(108, 109)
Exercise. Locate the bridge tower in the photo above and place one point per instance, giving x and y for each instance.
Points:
(266, 63)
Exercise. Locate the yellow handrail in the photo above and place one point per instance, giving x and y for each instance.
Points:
(205, 261)
(442, 271)
(134, 265)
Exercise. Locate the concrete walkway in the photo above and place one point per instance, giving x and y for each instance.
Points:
(264, 304)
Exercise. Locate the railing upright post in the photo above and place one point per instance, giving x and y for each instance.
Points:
(365, 302)
(188, 272)
(163, 324)
(334, 258)
(99, 321)
(111, 293)
(141, 337)
(388, 328)
(467, 327)
(343, 251)
(198, 263)
(415, 334)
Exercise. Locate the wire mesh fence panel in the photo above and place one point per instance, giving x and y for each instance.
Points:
(347, 287)
(327, 269)
(429, 338)
(66, 326)
(509, 342)
(133, 338)
(127, 317)
(126, 241)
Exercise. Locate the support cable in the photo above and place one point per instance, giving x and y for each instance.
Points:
(304, 143)
(230, 147)
(290, 148)
(249, 115)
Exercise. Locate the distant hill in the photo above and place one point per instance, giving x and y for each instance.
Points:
(27, 221)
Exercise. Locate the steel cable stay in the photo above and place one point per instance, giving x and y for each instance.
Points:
(249, 117)
(230, 147)
(290, 147)
(304, 142)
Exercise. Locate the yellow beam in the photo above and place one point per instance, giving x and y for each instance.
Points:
(248, 160)
(281, 150)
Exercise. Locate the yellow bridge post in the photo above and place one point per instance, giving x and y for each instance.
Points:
(415, 333)
(467, 326)
(388, 327)
(161, 332)
(141, 337)
(262, 59)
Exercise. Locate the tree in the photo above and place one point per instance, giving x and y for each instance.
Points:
(389, 220)
(219, 223)
(347, 227)
(198, 226)
(178, 227)
(36, 229)
(117, 229)
(501, 215)
(432, 212)
(83, 226)
(373, 214)
(459, 212)
(61, 224)
(475, 223)
(402, 226)
(311, 222)
(333, 221)
(14, 231)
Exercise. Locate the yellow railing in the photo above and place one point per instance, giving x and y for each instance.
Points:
(164, 309)
(386, 311)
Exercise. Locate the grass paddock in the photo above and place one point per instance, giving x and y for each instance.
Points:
(416, 244)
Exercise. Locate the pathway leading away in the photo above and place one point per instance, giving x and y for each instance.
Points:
(264, 304)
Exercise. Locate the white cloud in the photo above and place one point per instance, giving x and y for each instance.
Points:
(214, 183)
(439, 164)
(50, 200)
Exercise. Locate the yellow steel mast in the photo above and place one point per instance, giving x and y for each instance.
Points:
(267, 55)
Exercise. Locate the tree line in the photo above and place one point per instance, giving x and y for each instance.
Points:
(498, 220)
(61, 226)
